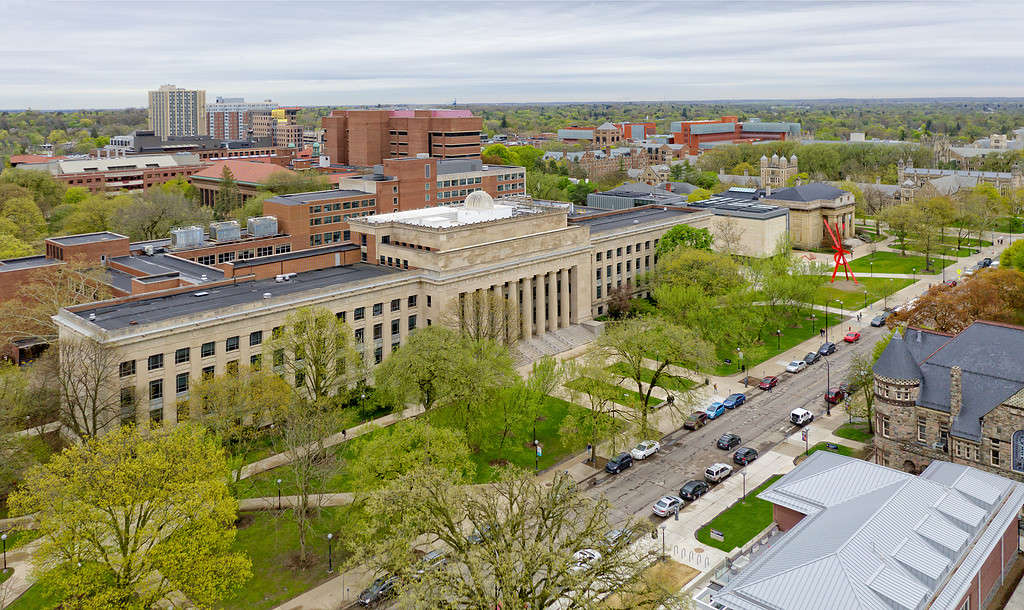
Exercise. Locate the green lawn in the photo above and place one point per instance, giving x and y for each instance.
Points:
(17, 538)
(894, 262)
(1009, 225)
(772, 346)
(852, 295)
(666, 381)
(840, 449)
(37, 597)
(854, 432)
(516, 452)
(619, 394)
(740, 522)
(5, 575)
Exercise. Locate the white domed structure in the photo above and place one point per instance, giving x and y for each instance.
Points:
(479, 200)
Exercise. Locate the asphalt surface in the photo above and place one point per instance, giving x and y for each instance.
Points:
(762, 422)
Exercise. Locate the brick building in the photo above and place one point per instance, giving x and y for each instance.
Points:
(860, 535)
(367, 137)
(117, 173)
(278, 127)
(230, 118)
(698, 135)
(251, 177)
(952, 397)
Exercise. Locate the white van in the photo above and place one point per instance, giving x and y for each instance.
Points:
(801, 417)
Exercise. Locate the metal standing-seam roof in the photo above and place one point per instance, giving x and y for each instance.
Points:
(875, 538)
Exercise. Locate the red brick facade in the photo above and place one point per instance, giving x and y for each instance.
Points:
(367, 137)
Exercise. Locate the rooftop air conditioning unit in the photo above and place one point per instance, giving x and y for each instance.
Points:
(187, 237)
(262, 226)
(228, 230)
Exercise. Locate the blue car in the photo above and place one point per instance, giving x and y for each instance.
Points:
(734, 400)
(714, 410)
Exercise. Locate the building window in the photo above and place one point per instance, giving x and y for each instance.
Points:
(378, 309)
(598, 274)
(618, 251)
(127, 368)
(208, 349)
(359, 334)
(256, 362)
(181, 383)
(378, 331)
(885, 426)
(395, 326)
(207, 372)
(231, 344)
(378, 355)
(598, 257)
(156, 389)
(359, 313)
(599, 292)
(922, 429)
(255, 337)
(994, 457)
(182, 355)
(156, 361)
(396, 304)
(412, 322)
(412, 301)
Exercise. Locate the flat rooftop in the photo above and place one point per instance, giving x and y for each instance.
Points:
(27, 262)
(287, 256)
(161, 308)
(621, 219)
(162, 263)
(86, 238)
(740, 206)
(299, 198)
(446, 217)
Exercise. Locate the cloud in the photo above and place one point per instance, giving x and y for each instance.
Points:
(66, 55)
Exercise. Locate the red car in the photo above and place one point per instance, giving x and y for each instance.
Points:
(951, 283)
(852, 337)
(768, 383)
(835, 395)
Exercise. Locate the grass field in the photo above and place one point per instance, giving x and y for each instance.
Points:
(894, 262)
(753, 355)
(854, 432)
(37, 597)
(840, 449)
(619, 394)
(669, 575)
(676, 384)
(1009, 225)
(740, 522)
(852, 295)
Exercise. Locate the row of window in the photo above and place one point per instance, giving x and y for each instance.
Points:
(331, 237)
(227, 257)
(629, 250)
(458, 182)
(184, 354)
(400, 263)
(460, 193)
(341, 205)
(504, 188)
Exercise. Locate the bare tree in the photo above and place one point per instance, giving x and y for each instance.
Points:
(484, 314)
(728, 235)
(28, 313)
(84, 374)
(588, 380)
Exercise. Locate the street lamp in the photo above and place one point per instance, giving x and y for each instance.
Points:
(279, 494)
(813, 317)
(330, 554)
(3, 538)
(778, 339)
(744, 473)
(865, 299)
(663, 542)
(828, 384)
(871, 266)
(915, 273)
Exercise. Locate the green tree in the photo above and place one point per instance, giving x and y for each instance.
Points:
(153, 213)
(1013, 256)
(519, 405)
(128, 517)
(47, 192)
(283, 182)
(12, 247)
(25, 215)
(675, 172)
(399, 450)
(603, 417)
(699, 195)
(902, 221)
(228, 196)
(863, 378)
(932, 216)
(97, 213)
(316, 350)
(684, 235)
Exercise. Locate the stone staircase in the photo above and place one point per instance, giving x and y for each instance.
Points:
(555, 342)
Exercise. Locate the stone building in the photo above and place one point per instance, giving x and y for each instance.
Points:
(914, 181)
(777, 171)
(958, 398)
(809, 206)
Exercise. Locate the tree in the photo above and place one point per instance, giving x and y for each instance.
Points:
(684, 235)
(12, 247)
(234, 407)
(283, 182)
(636, 341)
(129, 517)
(863, 378)
(713, 273)
(1013, 256)
(529, 533)
(485, 314)
(153, 213)
(991, 294)
(902, 220)
(96, 213)
(401, 449)
(520, 404)
(932, 216)
(24, 214)
(29, 402)
(699, 195)
(603, 417)
(675, 172)
(29, 313)
(728, 235)
(83, 373)
(47, 192)
(619, 300)
(316, 350)
(228, 195)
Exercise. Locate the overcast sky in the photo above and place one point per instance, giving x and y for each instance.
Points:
(108, 54)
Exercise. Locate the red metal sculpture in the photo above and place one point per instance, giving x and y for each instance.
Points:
(840, 251)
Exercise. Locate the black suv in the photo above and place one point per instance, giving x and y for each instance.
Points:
(744, 456)
(381, 589)
(827, 348)
(880, 319)
(812, 357)
(619, 463)
(728, 441)
(692, 490)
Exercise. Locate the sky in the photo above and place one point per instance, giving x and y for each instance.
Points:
(109, 54)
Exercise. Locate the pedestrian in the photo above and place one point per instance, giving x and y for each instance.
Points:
(716, 387)
(860, 314)
(344, 434)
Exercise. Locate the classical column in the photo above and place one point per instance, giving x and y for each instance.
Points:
(513, 301)
(539, 302)
(563, 319)
(526, 311)
(552, 300)
(574, 281)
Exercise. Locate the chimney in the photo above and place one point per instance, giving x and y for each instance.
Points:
(768, 191)
(956, 396)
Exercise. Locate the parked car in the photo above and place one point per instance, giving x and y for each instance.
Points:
(728, 441)
(880, 319)
(951, 283)
(614, 536)
(667, 505)
(691, 490)
(800, 416)
(645, 449)
(796, 366)
(717, 472)
(584, 559)
(619, 463)
(480, 534)
(431, 561)
(851, 337)
(834, 396)
(734, 400)
(744, 455)
(714, 410)
(379, 590)
(768, 383)
(697, 419)
(812, 357)
(827, 348)
(985, 262)
(848, 387)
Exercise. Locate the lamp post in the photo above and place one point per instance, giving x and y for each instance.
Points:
(744, 473)
(871, 266)
(914, 269)
(828, 384)
(330, 553)
(3, 538)
(778, 339)
(865, 299)
(813, 317)
(663, 542)
(279, 494)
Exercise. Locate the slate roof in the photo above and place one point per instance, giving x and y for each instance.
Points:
(875, 537)
(897, 362)
(948, 185)
(987, 354)
(808, 192)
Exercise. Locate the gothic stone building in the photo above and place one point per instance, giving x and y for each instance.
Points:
(958, 398)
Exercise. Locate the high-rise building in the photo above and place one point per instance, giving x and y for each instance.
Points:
(230, 118)
(174, 111)
(279, 126)
(367, 137)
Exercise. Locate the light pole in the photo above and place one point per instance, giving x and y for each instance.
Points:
(663, 542)
(914, 269)
(744, 473)
(865, 299)
(813, 317)
(828, 384)
(279, 494)
(330, 554)
(825, 327)
(3, 538)
(778, 339)
(871, 266)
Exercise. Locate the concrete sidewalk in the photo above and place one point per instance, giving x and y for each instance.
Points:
(20, 560)
(272, 502)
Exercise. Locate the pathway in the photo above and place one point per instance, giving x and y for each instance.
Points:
(20, 560)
